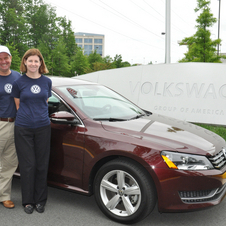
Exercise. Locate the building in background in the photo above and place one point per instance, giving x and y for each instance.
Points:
(90, 42)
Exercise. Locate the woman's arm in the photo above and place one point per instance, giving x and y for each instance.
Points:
(17, 102)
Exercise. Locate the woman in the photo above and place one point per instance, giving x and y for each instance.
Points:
(32, 129)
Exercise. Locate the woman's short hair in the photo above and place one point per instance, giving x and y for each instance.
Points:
(33, 52)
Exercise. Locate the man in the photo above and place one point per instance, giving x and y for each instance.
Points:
(8, 157)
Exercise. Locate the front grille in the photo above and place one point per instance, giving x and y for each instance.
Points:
(190, 197)
(219, 160)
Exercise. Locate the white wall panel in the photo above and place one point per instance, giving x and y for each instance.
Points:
(193, 92)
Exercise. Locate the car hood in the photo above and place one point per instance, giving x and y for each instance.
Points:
(169, 133)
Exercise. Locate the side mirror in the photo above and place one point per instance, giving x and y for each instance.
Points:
(64, 117)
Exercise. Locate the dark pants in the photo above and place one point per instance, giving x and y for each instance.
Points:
(33, 149)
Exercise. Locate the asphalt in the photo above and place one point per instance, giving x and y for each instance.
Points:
(69, 209)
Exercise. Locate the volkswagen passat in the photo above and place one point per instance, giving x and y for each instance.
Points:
(129, 158)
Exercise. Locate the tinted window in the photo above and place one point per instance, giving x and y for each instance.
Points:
(88, 40)
(55, 105)
(78, 40)
(98, 40)
(98, 101)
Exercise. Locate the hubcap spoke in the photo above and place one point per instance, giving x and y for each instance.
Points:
(132, 191)
(121, 179)
(128, 206)
(109, 186)
(113, 202)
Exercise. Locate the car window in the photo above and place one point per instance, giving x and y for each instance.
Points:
(55, 105)
(98, 101)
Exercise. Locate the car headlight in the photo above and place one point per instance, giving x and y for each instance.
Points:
(182, 161)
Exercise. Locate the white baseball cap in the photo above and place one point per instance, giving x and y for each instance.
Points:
(4, 49)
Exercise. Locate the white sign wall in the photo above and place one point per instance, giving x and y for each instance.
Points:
(193, 92)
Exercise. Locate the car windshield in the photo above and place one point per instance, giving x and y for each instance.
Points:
(101, 103)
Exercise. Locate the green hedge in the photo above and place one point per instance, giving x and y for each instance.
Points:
(220, 130)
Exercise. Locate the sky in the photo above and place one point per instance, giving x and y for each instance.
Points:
(133, 28)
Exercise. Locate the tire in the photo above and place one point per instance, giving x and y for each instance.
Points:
(124, 191)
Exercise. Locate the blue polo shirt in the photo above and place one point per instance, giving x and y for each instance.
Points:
(33, 95)
(7, 104)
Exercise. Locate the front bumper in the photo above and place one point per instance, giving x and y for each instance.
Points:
(181, 191)
(190, 197)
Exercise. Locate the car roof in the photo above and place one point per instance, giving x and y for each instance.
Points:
(63, 81)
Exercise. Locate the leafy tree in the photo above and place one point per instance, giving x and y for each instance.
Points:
(16, 60)
(109, 62)
(37, 17)
(94, 58)
(68, 37)
(126, 64)
(99, 66)
(13, 27)
(200, 46)
(51, 37)
(46, 53)
(98, 63)
(60, 66)
(80, 64)
(117, 61)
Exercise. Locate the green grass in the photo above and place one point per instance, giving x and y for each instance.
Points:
(220, 130)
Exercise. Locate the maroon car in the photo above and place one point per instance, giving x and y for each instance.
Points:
(129, 158)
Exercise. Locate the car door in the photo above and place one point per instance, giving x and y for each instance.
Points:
(67, 149)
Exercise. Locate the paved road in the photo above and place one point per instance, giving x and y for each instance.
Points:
(70, 209)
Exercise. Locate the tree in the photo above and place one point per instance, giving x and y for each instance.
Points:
(200, 46)
(37, 17)
(117, 61)
(126, 64)
(109, 62)
(80, 64)
(68, 37)
(60, 60)
(46, 53)
(93, 58)
(13, 29)
(16, 60)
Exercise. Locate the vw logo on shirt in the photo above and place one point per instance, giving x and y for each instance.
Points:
(35, 89)
(8, 88)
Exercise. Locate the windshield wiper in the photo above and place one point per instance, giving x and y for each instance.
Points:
(137, 116)
(148, 113)
(110, 119)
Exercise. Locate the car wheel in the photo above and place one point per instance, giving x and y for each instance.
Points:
(124, 191)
